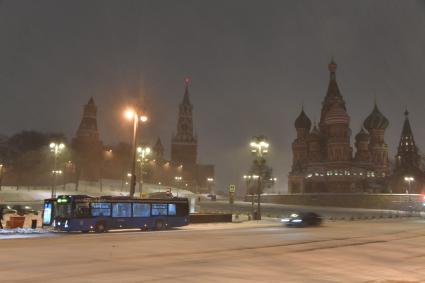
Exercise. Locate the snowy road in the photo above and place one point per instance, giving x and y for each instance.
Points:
(360, 251)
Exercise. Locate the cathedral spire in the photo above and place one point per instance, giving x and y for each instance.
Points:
(333, 95)
(333, 89)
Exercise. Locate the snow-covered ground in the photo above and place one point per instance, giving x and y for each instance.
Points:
(22, 231)
(364, 251)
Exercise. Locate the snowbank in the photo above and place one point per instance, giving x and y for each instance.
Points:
(23, 231)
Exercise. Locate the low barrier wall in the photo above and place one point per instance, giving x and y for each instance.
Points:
(210, 217)
(373, 201)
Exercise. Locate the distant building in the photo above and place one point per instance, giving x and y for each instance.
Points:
(87, 145)
(408, 175)
(180, 170)
(323, 158)
(183, 169)
(184, 147)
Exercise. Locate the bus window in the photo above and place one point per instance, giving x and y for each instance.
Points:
(159, 209)
(121, 210)
(82, 210)
(101, 209)
(141, 210)
(172, 209)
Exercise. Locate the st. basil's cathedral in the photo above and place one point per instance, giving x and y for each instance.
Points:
(324, 160)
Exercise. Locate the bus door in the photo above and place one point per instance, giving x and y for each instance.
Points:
(48, 212)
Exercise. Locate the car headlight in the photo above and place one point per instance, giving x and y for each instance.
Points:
(297, 220)
(284, 220)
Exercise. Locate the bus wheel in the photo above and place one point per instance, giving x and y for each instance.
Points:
(100, 228)
(159, 225)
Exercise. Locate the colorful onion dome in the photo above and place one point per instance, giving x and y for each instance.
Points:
(362, 135)
(303, 122)
(376, 120)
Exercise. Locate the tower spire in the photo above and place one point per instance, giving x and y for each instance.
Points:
(187, 82)
(158, 149)
(407, 130)
(184, 143)
(333, 95)
(407, 152)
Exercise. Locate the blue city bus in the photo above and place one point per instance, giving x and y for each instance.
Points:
(84, 213)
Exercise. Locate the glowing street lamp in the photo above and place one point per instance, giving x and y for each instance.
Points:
(56, 148)
(143, 152)
(259, 146)
(409, 180)
(133, 115)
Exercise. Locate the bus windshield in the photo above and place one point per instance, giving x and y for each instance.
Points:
(64, 210)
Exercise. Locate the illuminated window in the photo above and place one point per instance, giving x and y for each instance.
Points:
(141, 210)
(159, 209)
(100, 209)
(121, 210)
(172, 209)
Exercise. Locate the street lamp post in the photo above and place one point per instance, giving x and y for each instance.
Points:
(132, 114)
(409, 180)
(143, 152)
(259, 147)
(248, 179)
(1, 175)
(56, 149)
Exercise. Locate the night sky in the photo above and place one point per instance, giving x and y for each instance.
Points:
(252, 64)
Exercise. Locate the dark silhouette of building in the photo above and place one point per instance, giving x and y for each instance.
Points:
(184, 145)
(158, 151)
(323, 158)
(87, 145)
(407, 164)
(94, 162)
(184, 148)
